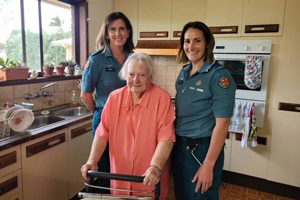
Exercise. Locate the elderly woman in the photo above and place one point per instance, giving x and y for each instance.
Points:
(137, 122)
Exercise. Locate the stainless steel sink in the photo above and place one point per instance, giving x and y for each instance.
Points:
(43, 120)
(71, 111)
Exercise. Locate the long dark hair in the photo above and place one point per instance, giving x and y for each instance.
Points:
(209, 38)
(102, 39)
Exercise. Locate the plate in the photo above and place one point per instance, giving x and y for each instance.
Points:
(20, 120)
(11, 110)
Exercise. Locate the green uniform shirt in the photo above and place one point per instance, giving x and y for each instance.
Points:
(206, 95)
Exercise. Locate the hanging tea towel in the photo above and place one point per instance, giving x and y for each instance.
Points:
(253, 71)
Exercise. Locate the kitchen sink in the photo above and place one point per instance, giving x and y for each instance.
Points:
(43, 120)
(72, 111)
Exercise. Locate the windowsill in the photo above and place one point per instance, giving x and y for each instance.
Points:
(38, 80)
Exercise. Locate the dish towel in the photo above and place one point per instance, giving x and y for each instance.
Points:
(244, 121)
(253, 71)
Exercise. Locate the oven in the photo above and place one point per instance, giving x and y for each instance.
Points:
(248, 61)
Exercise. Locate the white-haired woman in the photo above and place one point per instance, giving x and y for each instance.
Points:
(137, 122)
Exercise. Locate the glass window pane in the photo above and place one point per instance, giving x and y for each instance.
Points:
(32, 37)
(10, 34)
(57, 33)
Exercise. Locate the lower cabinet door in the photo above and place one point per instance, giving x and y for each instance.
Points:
(44, 167)
(80, 142)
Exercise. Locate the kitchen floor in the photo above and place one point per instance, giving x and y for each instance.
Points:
(235, 192)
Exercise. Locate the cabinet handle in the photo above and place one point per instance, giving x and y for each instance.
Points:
(8, 185)
(44, 145)
(80, 130)
(154, 34)
(176, 33)
(262, 28)
(8, 159)
(223, 29)
(289, 107)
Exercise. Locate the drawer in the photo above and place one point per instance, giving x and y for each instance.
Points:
(10, 160)
(10, 185)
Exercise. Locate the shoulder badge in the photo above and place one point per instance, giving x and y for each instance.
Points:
(224, 82)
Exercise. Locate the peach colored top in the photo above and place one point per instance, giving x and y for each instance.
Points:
(133, 133)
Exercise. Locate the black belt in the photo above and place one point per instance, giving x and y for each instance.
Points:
(192, 142)
(97, 109)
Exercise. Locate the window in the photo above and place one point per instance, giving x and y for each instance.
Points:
(38, 32)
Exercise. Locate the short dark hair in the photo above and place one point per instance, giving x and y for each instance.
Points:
(102, 38)
(209, 39)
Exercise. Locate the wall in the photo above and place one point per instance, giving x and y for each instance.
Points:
(61, 95)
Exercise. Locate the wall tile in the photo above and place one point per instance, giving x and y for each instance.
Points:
(20, 91)
(6, 92)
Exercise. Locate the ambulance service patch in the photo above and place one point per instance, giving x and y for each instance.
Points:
(224, 82)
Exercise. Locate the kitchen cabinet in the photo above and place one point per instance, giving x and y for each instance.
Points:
(186, 11)
(130, 9)
(10, 173)
(44, 167)
(154, 19)
(224, 14)
(79, 145)
(245, 17)
(227, 154)
(252, 161)
(257, 12)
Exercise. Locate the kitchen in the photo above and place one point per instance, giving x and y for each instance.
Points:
(277, 158)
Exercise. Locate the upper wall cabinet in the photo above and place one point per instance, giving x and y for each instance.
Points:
(154, 19)
(130, 9)
(225, 17)
(263, 17)
(184, 12)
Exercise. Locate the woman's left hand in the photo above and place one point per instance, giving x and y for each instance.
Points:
(204, 178)
(152, 176)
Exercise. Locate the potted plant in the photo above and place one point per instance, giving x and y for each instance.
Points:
(48, 70)
(60, 69)
(12, 70)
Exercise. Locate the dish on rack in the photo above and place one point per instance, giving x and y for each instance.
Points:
(10, 111)
(20, 120)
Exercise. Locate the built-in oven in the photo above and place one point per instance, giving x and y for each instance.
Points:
(248, 62)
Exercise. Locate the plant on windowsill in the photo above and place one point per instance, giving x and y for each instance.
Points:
(48, 70)
(12, 70)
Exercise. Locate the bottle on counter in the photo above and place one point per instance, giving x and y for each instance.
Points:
(74, 99)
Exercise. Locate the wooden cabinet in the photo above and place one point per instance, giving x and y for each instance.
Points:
(252, 161)
(257, 13)
(10, 173)
(225, 15)
(154, 19)
(79, 146)
(227, 154)
(184, 12)
(44, 167)
(130, 9)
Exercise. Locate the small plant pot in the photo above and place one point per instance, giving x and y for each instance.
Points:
(48, 71)
(60, 70)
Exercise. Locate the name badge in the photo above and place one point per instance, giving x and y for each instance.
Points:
(110, 69)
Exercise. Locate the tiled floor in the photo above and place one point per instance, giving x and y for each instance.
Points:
(235, 192)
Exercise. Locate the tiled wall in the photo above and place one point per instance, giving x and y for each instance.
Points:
(60, 95)
(166, 70)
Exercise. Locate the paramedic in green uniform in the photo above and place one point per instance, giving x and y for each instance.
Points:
(205, 93)
(100, 76)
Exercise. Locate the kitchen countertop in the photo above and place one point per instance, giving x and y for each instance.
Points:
(20, 138)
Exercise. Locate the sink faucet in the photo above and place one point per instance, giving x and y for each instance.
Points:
(49, 85)
(42, 92)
